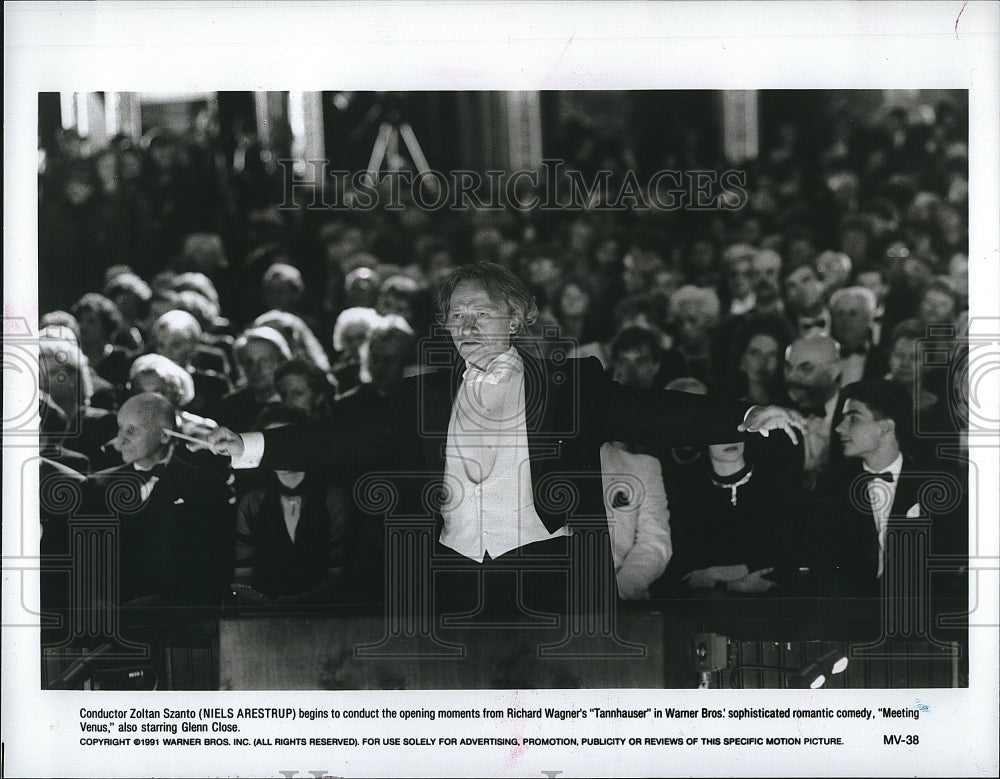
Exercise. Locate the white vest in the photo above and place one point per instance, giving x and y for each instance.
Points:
(489, 506)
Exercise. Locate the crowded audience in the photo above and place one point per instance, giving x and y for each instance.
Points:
(819, 295)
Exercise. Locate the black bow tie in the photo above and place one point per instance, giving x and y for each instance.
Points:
(813, 324)
(291, 492)
(884, 476)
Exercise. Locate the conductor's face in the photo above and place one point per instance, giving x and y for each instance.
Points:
(480, 326)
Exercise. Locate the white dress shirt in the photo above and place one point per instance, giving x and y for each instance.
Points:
(147, 488)
(882, 493)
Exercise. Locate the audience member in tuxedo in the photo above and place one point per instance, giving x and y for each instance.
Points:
(879, 484)
(175, 516)
(634, 495)
(737, 291)
(64, 377)
(852, 310)
(292, 532)
(260, 351)
(733, 517)
(479, 441)
(177, 336)
(872, 278)
(812, 380)
(804, 295)
(754, 367)
(349, 332)
(100, 322)
(303, 386)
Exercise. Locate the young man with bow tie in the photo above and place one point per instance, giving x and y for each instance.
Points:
(879, 495)
(804, 295)
(509, 444)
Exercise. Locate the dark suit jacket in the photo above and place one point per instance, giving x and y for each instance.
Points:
(571, 409)
(848, 541)
(175, 545)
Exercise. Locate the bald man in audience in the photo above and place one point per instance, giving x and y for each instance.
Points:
(175, 516)
(812, 380)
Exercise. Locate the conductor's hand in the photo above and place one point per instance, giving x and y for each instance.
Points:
(764, 419)
(224, 441)
(754, 581)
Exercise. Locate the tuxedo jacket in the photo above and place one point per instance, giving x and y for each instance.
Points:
(848, 540)
(571, 408)
(176, 544)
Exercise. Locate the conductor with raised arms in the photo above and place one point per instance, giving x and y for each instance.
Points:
(514, 441)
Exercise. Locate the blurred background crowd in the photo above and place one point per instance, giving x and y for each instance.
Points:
(173, 259)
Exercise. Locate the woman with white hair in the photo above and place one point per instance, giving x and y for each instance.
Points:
(156, 373)
(301, 340)
(260, 351)
(695, 313)
(349, 333)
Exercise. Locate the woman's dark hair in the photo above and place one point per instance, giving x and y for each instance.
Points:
(315, 377)
(886, 400)
(772, 325)
(762, 324)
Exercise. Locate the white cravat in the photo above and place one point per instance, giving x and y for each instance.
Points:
(881, 494)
